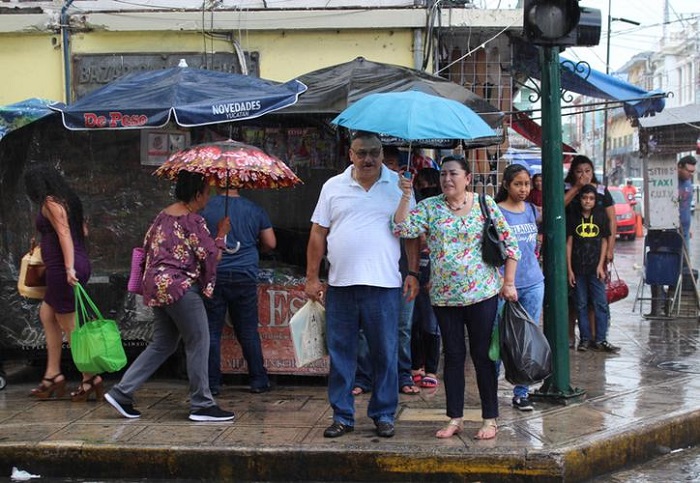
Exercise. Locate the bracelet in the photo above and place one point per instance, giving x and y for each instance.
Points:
(406, 197)
(415, 274)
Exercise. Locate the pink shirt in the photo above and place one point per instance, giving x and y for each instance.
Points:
(180, 252)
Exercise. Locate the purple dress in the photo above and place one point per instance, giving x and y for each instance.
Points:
(59, 295)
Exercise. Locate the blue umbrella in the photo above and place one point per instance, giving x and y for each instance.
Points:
(414, 116)
(188, 96)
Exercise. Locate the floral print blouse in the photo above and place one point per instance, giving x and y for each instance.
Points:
(458, 276)
(180, 252)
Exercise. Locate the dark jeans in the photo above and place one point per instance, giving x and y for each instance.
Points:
(425, 335)
(241, 300)
(478, 319)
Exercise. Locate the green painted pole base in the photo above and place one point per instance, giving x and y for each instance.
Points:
(554, 395)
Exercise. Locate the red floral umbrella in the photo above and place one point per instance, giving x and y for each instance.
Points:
(230, 163)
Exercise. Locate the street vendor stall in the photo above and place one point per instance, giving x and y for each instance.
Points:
(111, 170)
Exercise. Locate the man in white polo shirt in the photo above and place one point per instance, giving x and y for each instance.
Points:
(352, 218)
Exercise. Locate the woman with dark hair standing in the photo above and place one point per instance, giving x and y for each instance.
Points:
(181, 259)
(62, 228)
(535, 196)
(464, 289)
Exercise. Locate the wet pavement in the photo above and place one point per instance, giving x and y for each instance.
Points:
(639, 404)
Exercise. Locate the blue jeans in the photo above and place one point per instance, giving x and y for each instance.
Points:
(375, 310)
(532, 299)
(241, 300)
(590, 286)
(363, 375)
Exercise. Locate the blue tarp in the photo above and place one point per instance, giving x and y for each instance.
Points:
(14, 116)
(593, 83)
(582, 79)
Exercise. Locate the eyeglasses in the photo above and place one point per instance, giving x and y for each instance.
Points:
(363, 153)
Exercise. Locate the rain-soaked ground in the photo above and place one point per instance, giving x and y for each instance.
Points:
(640, 405)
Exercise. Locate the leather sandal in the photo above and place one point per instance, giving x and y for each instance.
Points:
(56, 387)
(488, 430)
(88, 387)
(455, 426)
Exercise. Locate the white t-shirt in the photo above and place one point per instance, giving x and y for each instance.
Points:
(361, 247)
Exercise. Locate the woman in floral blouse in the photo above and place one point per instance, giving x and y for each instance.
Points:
(464, 288)
(181, 258)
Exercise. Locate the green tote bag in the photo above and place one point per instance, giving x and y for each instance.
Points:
(96, 345)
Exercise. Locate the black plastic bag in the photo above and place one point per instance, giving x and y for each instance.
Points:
(525, 352)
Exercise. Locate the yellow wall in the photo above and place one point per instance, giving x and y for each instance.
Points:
(37, 65)
(32, 67)
(287, 55)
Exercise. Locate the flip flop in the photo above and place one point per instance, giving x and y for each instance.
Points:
(488, 430)
(418, 377)
(410, 390)
(357, 390)
(429, 382)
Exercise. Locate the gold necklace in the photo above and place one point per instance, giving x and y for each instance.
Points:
(464, 203)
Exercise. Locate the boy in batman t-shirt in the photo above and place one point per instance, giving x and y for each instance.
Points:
(587, 233)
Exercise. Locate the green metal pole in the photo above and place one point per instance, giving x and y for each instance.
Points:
(556, 322)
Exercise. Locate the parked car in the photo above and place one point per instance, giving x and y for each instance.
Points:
(625, 215)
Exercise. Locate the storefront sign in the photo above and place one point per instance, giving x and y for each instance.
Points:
(662, 192)
(276, 306)
(92, 71)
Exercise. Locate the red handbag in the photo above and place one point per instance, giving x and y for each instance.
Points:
(615, 289)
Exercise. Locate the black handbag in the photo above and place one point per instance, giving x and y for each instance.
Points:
(493, 249)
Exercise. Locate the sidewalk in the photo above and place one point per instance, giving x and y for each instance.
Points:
(638, 404)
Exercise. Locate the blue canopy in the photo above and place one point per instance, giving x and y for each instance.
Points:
(14, 116)
(592, 83)
(192, 97)
(582, 79)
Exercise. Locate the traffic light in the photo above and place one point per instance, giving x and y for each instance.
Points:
(561, 22)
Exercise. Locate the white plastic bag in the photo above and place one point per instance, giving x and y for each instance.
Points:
(308, 329)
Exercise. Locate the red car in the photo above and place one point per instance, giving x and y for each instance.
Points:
(625, 215)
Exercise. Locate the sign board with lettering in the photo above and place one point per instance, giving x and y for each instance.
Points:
(276, 306)
(158, 144)
(91, 71)
(661, 193)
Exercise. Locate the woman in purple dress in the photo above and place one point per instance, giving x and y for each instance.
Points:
(62, 228)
